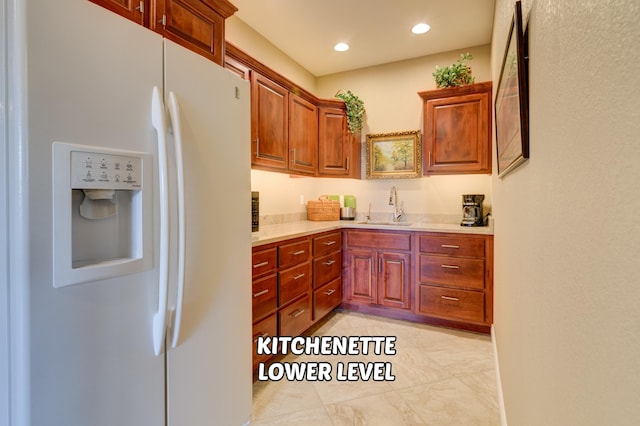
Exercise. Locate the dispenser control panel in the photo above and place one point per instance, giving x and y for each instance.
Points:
(91, 170)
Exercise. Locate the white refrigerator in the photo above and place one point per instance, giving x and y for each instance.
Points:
(93, 329)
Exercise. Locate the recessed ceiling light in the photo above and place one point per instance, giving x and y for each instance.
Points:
(341, 47)
(420, 28)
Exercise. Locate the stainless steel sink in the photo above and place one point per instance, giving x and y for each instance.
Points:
(384, 222)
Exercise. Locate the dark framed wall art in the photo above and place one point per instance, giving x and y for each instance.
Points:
(512, 100)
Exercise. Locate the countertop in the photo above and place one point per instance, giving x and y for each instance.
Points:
(284, 231)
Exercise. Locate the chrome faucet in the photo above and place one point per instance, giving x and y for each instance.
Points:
(393, 201)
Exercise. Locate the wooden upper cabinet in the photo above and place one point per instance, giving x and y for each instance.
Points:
(134, 10)
(457, 129)
(269, 123)
(197, 25)
(303, 135)
(334, 148)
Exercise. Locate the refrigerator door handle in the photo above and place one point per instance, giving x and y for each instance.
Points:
(159, 124)
(174, 114)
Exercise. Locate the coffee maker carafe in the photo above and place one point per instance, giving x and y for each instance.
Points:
(472, 210)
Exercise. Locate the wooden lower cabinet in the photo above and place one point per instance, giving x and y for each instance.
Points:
(296, 283)
(438, 278)
(378, 268)
(455, 279)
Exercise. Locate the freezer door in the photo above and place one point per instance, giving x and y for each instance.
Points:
(209, 371)
(90, 352)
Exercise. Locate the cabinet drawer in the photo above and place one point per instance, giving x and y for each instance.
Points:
(294, 282)
(327, 243)
(451, 304)
(293, 253)
(327, 268)
(452, 271)
(326, 298)
(296, 318)
(265, 296)
(453, 245)
(263, 261)
(266, 327)
(379, 240)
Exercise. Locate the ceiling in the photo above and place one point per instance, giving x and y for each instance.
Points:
(378, 31)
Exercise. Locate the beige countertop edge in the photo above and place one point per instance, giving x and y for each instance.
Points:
(280, 232)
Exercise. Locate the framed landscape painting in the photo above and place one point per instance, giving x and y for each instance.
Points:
(394, 155)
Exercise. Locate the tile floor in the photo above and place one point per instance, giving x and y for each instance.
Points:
(442, 377)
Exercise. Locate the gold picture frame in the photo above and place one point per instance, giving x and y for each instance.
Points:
(395, 155)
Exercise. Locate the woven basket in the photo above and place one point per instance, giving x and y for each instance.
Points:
(323, 209)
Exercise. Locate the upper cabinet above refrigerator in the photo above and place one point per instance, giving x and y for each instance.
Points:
(197, 25)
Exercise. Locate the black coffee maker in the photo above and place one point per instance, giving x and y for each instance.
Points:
(472, 210)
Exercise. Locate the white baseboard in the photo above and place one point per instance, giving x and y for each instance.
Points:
(503, 413)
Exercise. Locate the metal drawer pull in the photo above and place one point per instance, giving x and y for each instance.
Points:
(260, 293)
(450, 266)
(454, 299)
(297, 253)
(330, 292)
(263, 335)
(261, 264)
(329, 262)
(297, 313)
(297, 277)
(329, 243)
(449, 246)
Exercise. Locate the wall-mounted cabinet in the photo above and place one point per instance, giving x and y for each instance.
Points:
(197, 25)
(303, 135)
(338, 149)
(293, 131)
(457, 129)
(269, 123)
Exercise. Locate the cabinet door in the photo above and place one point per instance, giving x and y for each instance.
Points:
(333, 144)
(269, 123)
(394, 279)
(458, 130)
(193, 24)
(130, 9)
(361, 276)
(303, 135)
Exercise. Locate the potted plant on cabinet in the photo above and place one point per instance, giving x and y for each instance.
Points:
(457, 74)
(355, 110)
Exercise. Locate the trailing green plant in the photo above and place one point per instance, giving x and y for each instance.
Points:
(355, 110)
(457, 74)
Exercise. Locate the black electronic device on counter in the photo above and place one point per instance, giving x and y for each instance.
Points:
(255, 211)
(472, 210)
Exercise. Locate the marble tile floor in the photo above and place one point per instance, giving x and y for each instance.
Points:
(442, 377)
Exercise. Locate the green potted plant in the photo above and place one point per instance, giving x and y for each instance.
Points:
(355, 110)
(457, 74)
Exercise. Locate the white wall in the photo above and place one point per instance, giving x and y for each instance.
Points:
(392, 104)
(567, 280)
(246, 39)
